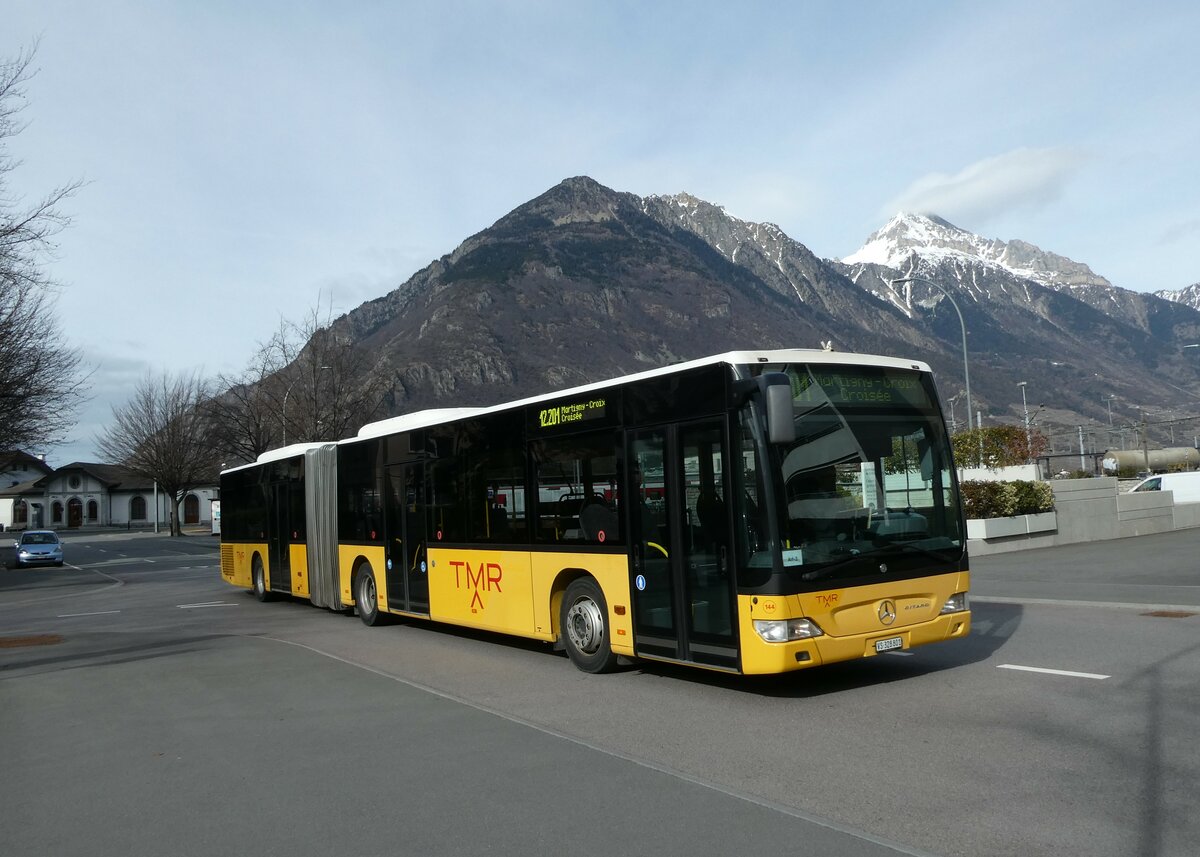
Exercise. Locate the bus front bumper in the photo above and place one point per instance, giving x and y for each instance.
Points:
(760, 657)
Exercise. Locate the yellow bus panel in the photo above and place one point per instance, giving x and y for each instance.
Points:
(236, 562)
(520, 592)
(298, 562)
(348, 558)
(486, 589)
(853, 621)
(552, 572)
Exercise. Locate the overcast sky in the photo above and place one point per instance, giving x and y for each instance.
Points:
(245, 161)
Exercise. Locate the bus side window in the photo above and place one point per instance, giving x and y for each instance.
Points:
(577, 499)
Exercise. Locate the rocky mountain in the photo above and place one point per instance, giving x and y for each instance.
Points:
(1189, 296)
(584, 283)
(1035, 314)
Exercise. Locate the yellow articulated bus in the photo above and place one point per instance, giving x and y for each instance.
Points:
(752, 512)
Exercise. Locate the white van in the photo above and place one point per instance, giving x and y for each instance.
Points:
(1185, 486)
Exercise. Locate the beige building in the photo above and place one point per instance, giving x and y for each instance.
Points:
(82, 495)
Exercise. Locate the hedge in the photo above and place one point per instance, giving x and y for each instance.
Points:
(1005, 499)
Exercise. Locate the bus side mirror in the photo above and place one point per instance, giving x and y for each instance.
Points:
(781, 422)
(776, 389)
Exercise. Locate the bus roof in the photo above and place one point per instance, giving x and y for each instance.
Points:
(279, 454)
(423, 419)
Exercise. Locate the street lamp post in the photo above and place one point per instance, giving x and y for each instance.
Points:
(1025, 410)
(963, 324)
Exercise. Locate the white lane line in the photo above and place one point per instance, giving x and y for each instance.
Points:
(207, 604)
(97, 613)
(1068, 673)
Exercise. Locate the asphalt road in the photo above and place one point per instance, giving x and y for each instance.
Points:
(147, 708)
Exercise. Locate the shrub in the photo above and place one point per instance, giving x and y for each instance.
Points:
(1004, 499)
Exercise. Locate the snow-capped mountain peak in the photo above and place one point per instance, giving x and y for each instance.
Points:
(1189, 296)
(917, 240)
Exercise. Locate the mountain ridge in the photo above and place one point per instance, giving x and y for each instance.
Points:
(583, 283)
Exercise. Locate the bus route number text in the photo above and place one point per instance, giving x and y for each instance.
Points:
(574, 413)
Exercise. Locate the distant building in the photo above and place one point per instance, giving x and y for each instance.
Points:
(82, 495)
(16, 469)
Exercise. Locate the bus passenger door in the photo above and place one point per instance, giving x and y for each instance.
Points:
(279, 538)
(408, 585)
(683, 587)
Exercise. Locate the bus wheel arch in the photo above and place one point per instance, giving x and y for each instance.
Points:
(584, 629)
(350, 608)
(366, 595)
(258, 578)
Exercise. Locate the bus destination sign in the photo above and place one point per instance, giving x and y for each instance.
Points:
(572, 414)
(849, 387)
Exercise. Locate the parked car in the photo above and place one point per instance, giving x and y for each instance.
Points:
(38, 547)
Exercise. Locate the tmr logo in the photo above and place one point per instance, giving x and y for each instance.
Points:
(483, 578)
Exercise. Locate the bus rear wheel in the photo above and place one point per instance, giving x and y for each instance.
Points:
(258, 580)
(367, 598)
(583, 626)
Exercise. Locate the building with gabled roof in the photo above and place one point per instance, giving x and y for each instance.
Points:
(85, 494)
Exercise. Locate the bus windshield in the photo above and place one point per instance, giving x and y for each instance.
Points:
(868, 477)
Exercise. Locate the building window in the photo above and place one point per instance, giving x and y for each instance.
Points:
(137, 509)
(20, 512)
(56, 510)
(93, 511)
(74, 481)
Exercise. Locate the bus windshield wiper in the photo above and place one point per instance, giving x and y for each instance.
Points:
(915, 548)
(829, 568)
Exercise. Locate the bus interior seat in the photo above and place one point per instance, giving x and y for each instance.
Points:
(596, 518)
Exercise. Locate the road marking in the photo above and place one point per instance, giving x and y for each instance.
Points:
(97, 613)
(208, 604)
(1052, 672)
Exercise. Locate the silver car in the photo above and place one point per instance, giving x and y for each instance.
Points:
(38, 547)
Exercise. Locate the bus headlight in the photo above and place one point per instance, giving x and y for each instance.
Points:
(956, 603)
(786, 630)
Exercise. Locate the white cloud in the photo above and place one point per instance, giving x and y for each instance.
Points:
(1023, 179)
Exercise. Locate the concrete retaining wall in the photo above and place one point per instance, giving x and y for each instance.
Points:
(1089, 510)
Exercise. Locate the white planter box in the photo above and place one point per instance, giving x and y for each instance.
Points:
(1017, 525)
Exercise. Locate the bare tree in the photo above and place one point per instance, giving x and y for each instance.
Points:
(303, 384)
(162, 433)
(334, 385)
(244, 422)
(40, 384)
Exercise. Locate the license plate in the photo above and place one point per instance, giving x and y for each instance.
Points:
(889, 644)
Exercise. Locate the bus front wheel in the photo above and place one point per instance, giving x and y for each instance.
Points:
(583, 626)
(367, 598)
(259, 581)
